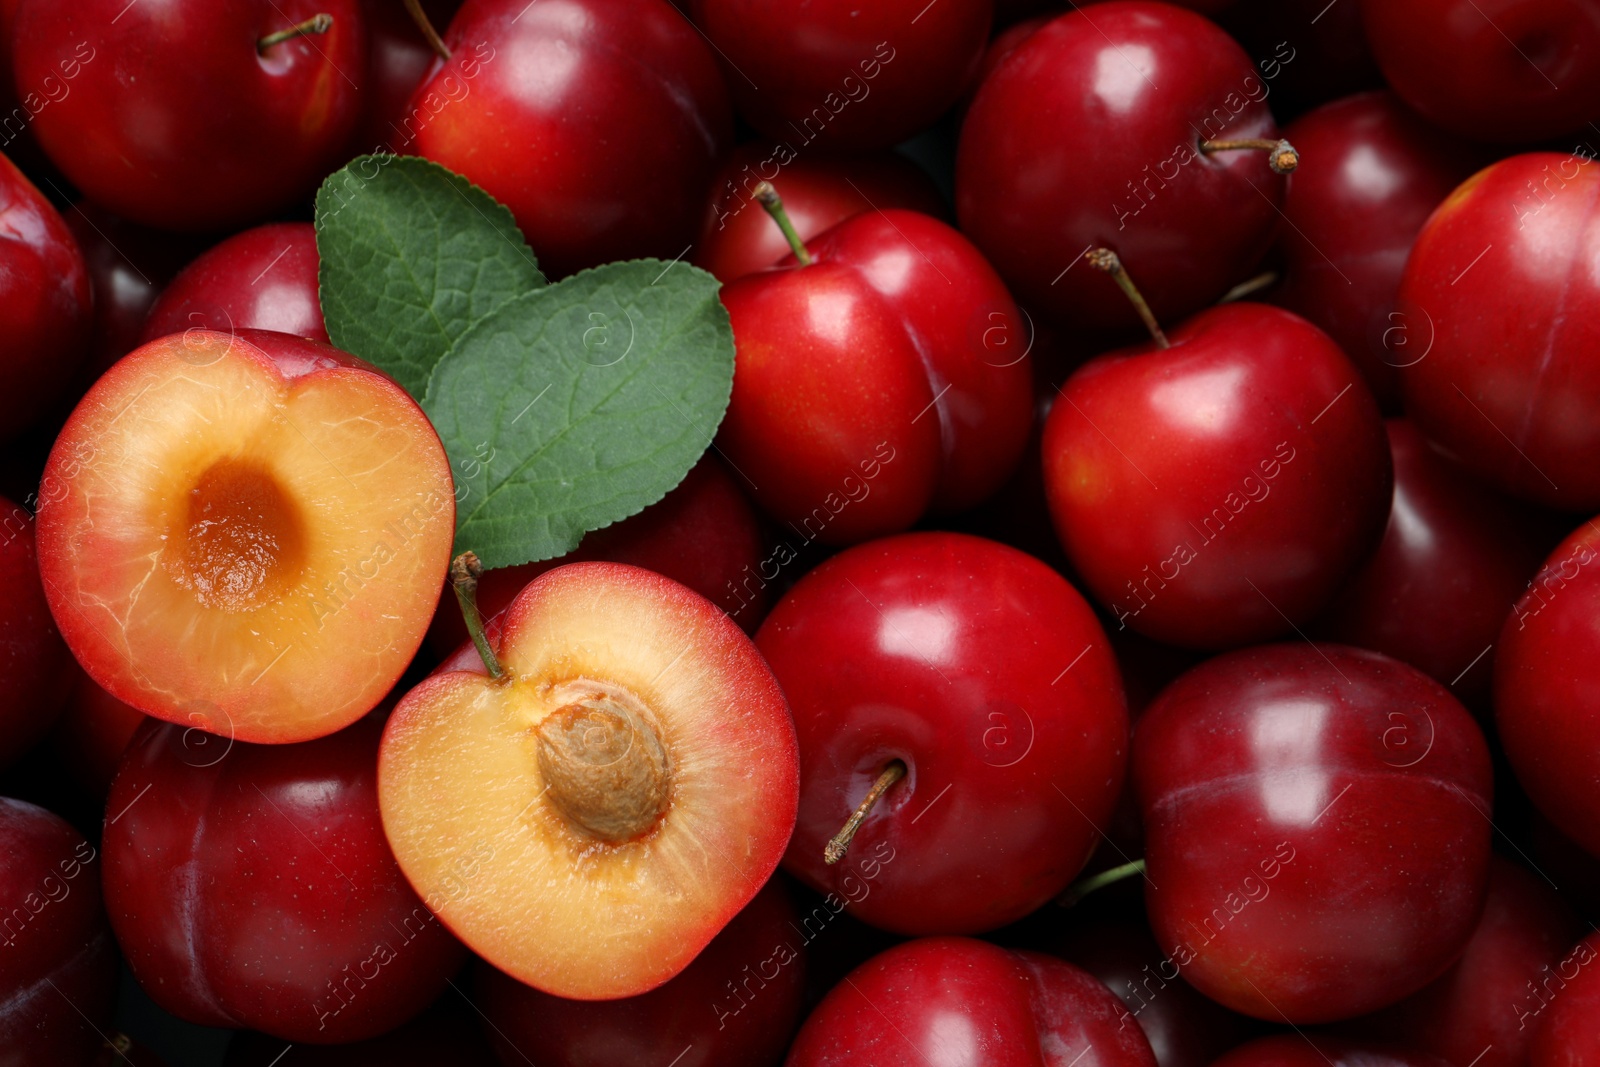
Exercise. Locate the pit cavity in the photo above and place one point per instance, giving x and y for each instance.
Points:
(240, 541)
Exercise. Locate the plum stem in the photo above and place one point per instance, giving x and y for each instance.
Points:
(1282, 157)
(429, 34)
(1084, 886)
(1103, 259)
(1250, 287)
(834, 852)
(768, 197)
(465, 570)
(316, 24)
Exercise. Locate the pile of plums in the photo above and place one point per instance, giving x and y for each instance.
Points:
(1141, 607)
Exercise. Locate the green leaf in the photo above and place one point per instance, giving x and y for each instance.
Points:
(412, 255)
(563, 408)
(580, 404)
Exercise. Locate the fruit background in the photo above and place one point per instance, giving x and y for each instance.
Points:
(720, 533)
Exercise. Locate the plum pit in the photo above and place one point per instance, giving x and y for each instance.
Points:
(604, 766)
